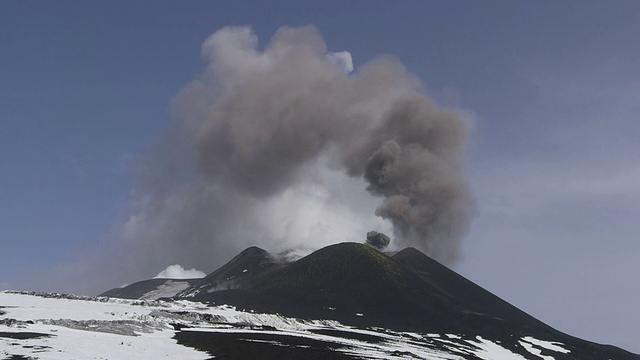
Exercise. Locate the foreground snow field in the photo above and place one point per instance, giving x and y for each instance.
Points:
(56, 326)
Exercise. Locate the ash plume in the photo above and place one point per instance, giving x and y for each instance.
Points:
(377, 240)
(286, 147)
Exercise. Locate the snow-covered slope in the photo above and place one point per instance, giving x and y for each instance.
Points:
(152, 289)
(56, 326)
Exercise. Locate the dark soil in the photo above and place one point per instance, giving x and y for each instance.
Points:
(349, 335)
(259, 346)
(23, 335)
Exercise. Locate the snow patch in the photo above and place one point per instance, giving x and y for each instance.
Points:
(553, 346)
(535, 351)
(492, 351)
(166, 290)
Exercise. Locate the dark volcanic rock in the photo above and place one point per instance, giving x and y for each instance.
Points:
(458, 290)
(23, 335)
(354, 284)
(260, 346)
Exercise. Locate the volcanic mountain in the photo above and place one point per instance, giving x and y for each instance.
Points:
(238, 273)
(361, 287)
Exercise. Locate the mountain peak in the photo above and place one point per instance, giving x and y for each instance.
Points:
(253, 250)
(344, 266)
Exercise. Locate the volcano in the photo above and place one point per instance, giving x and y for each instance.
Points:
(360, 287)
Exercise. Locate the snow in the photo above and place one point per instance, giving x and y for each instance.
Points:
(107, 328)
(492, 351)
(535, 351)
(166, 290)
(74, 334)
(533, 346)
(69, 343)
(553, 346)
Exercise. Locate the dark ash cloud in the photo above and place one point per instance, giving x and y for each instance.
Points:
(377, 240)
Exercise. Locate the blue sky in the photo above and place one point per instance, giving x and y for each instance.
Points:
(551, 89)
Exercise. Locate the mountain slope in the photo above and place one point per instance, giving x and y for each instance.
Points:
(459, 290)
(241, 270)
(152, 289)
(58, 326)
(463, 292)
(359, 286)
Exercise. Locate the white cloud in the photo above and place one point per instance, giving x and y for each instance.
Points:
(178, 272)
(343, 59)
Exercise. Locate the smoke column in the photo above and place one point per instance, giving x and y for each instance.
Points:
(262, 137)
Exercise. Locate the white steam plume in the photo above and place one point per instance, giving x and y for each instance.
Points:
(178, 272)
